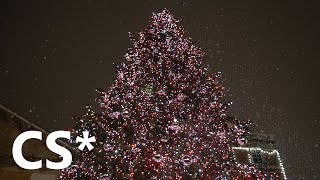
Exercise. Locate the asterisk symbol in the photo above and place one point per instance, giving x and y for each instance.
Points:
(85, 141)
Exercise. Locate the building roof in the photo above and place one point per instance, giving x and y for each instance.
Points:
(11, 125)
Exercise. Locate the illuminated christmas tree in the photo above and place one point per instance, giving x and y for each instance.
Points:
(164, 116)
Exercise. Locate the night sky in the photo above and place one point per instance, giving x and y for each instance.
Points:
(53, 54)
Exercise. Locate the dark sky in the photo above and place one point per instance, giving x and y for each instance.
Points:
(53, 54)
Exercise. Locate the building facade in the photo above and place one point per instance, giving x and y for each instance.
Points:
(260, 151)
(10, 127)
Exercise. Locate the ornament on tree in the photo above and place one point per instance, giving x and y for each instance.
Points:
(186, 160)
(107, 147)
(135, 150)
(104, 177)
(126, 114)
(175, 128)
(158, 158)
(115, 115)
(164, 140)
(181, 97)
(148, 89)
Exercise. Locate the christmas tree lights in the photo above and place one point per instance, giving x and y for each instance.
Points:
(164, 116)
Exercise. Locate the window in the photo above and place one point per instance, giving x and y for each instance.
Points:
(256, 156)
